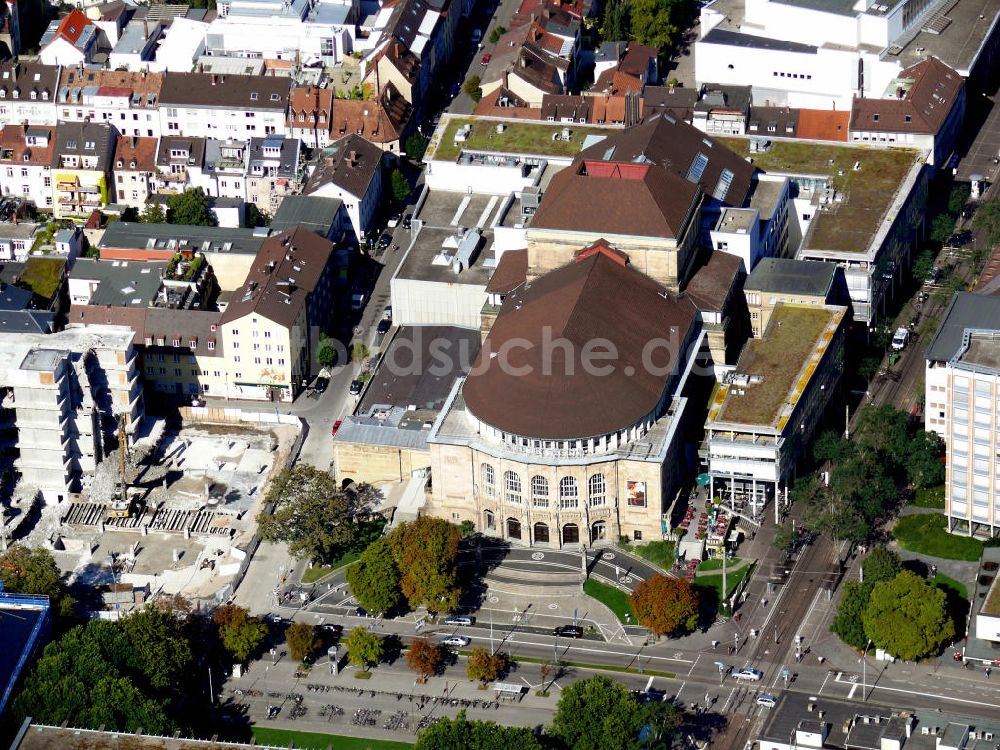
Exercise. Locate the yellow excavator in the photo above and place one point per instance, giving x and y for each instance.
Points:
(121, 506)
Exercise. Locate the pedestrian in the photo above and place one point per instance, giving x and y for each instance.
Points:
(987, 673)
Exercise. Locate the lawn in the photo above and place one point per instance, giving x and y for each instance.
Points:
(716, 564)
(311, 740)
(516, 138)
(659, 553)
(611, 597)
(947, 583)
(369, 532)
(42, 275)
(868, 191)
(930, 497)
(925, 534)
(714, 583)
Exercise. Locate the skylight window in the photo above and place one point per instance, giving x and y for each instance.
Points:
(722, 187)
(697, 167)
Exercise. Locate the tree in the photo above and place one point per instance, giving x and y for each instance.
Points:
(665, 604)
(472, 88)
(255, 217)
(924, 467)
(364, 648)
(467, 528)
(400, 186)
(484, 666)
(987, 218)
(191, 207)
(416, 147)
(864, 483)
(426, 554)
(908, 617)
(498, 31)
(316, 518)
(596, 714)
(424, 657)
(616, 26)
(156, 636)
(462, 734)
(240, 633)
(883, 428)
(153, 213)
(327, 354)
(34, 571)
(922, 265)
(660, 721)
(655, 22)
(847, 623)
(882, 564)
(301, 639)
(784, 537)
(942, 227)
(359, 352)
(375, 580)
(830, 446)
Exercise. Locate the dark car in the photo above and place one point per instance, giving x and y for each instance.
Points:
(569, 631)
(385, 240)
(408, 221)
(356, 387)
(383, 326)
(320, 385)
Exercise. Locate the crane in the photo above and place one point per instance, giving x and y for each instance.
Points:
(120, 505)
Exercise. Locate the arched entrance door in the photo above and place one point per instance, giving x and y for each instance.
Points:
(541, 532)
(490, 520)
(571, 534)
(598, 531)
(513, 528)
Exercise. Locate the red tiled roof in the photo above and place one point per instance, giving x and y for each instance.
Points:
(824, 125)
(73, 25)
(140, 150)
(12, 141)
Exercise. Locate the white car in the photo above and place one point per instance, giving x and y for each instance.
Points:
(751, 675)
(900, 338)
(456, 640)
(767, 701)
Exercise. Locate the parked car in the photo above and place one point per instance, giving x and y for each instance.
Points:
(570, 631)
(358, 300)
(768, 701)
(383, 326)
(748, 674)
(321, 383)
(408, 222)
(900, 339)
(384, 241)
(933, 276)
(394, 221)
(356, 387)
(477, 36)
(336, 426)
(486, 59)
(456, 640)
(332, 629)
(459, 620)
(361, 612)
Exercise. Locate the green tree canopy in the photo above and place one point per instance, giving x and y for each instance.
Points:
(847, 623)
(784, 537)
(484, 666)
(416, 147)
(301, 639)
(400, 186)
(665, 604)
(656, 22)
(462, 734)
(830, 446)
(364, 648)
(908, 617)
(159, 643)
(316, 518)
(375, 579)
(596, 714)
(426, 553)
(240, 633)
(882, 564)
(924, 467)
(191, 207)
(987, 218)
(472, 88)
(884, 429)
(34, 571)
(616, 25)
(153, 213)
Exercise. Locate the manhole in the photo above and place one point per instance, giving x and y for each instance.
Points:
(537, 555)
(553, 605)
(608, 556)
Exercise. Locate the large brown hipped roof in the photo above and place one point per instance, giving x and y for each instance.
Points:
(592, 299)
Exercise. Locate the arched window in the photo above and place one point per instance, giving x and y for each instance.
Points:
(569, 492)
(512, 487)
(539, 491)
(597, 490)
(489, 481)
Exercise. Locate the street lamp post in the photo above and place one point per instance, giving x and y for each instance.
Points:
(864, 671)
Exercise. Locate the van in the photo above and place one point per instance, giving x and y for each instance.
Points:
(900, 338)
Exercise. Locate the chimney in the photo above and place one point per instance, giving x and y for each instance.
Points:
(145, 29)
(215, 79)
(396, 50)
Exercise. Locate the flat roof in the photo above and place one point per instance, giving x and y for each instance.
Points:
(966, 311)
(838, 7)
(784, 359)
(983, 350)
(983, 587)
(121, 283)
(420, 365)
(736, 220)
(534, 139)
(42, 360)
(19, 616)
(848, 225)
(40, 737)
(957, 44)
(136, 235)
(791, 276)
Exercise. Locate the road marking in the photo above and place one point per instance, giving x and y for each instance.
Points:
(694, 664)
(729, 698)
(678, 693)
(824, 683)
(932, 695)
(650, 683)
(581, 649)
(850, 695)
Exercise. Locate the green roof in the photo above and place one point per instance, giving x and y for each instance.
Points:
(516, 138)
(42, 275)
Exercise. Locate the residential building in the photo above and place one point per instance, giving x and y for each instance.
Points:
(310, 115)
(225, 171)
(962, 382)
(183, 44)
(134, 171)
(68, 390)
(311, 32)
(127, 100)
(520, 458)
(81, 163)
(269, 322)
(925, 109)
(317, 119)
(26, 163)
(760, 230)
(715, 288)
(351, 169)
(324, 216)
(764, 412)
(273, 172)
(111, 18)
(180, 163)
(223, 106)
(69, 41)
(636, 68)
(722, 110)
(17, 313)
(16, 241)
(28, 93)
(984, 625)
(136, 48)
(783, 280)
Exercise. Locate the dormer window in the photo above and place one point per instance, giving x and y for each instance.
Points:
(121, 163)
(253, 96)
(45, 95)
(17, 93)
(132, 164)
(89, 145)
(27, 157)
(875, 117)
(908, 118)
(3, 93)
(177, 341)
(193, 343)
(34, 95)
(275, 98)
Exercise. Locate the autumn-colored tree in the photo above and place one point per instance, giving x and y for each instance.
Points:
(302, 640)
(426, 553)
(424, 657)
(240, 633)
(665, 604)
(484, 666)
